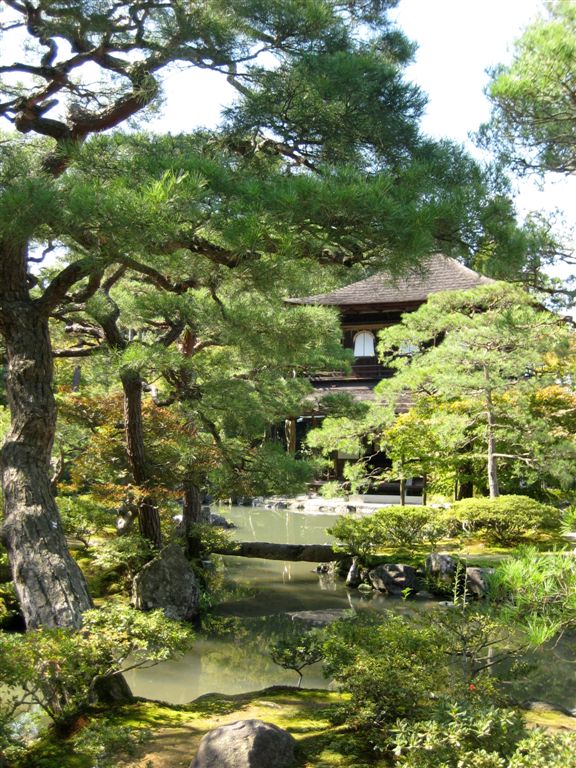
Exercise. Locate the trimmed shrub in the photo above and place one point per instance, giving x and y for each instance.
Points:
(357, 535)
(409, 525)
(392, 526)
(505, 519)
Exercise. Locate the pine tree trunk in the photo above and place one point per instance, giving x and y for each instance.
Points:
(148, 515)
(491, 441)
(50, 587)
(492, 466)
(193, 512)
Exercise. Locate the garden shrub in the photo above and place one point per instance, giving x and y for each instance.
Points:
(358, 535)
(83, 517)
(537, 592)
(393, 526)
(122, 557)
(476, 640)
(388, 665)
(210, 538)
(478, 737)
(61, 670)
(297, 649)
(409, 525)
(543, 749)
(102, 742)
(505, 519)
(463, 735)
(568, 520)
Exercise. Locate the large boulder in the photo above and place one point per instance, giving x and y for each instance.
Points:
(440, 571)
(394, 578)
(167, 582)
(219, 521)
(246, 744)
(477, 581)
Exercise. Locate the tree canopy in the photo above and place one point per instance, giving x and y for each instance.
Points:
(319, 162)
(534, 113)
(480, 375)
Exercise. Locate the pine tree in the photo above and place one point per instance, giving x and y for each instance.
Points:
(319, 161)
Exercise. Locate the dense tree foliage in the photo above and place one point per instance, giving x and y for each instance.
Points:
(532, 131)
(317, 163)
(534, 112)
(482, 370)
(164, 262)
(491, 347)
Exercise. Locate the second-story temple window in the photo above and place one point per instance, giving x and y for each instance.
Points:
(364, 344)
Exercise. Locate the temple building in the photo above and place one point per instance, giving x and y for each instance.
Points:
(366, 307)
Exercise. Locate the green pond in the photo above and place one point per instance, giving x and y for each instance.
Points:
(230, 657)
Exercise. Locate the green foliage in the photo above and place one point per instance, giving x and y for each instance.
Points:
(358, 536)
(544, 749)
(471, 736)
(61, 670)
(104, 742)
(396, 526)
(486, 385)
(408, 526)
(474, 735)
(568, 521)
(83, 517)
(123, 555)
(533, 112)
(537, 592)
(4, 421)
(477, 641)
(474, 349)
(297, 650)
(506, 519)
(332, 489)
(388, 665)
(211, 538)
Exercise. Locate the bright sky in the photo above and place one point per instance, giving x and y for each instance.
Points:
(458, 41)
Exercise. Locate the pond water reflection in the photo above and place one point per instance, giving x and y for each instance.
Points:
(236, 661)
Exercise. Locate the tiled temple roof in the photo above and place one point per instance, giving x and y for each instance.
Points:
(439, 273)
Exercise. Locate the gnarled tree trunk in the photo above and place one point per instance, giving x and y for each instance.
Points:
(50, 587)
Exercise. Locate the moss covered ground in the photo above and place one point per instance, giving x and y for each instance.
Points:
(171, 734)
